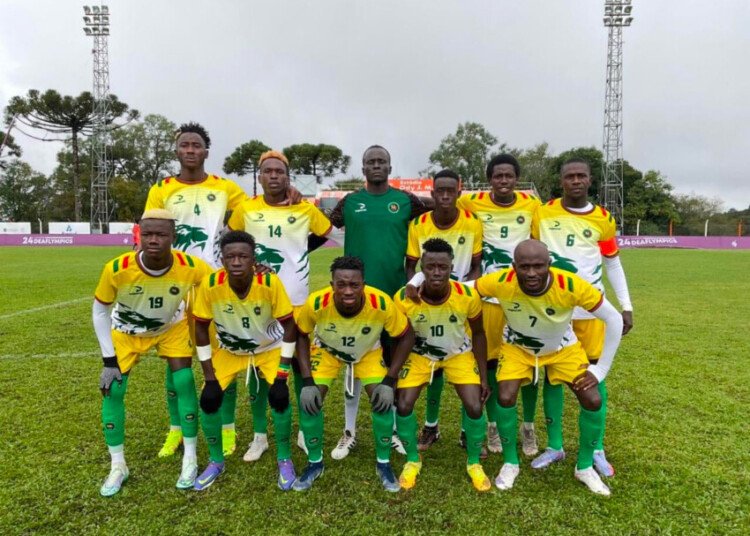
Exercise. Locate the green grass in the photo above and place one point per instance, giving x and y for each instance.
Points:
(677, 430)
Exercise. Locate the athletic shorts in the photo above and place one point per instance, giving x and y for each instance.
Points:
(590, 334)
(175, 342)
(493, 320)
(459, 369)
(325, 367)
(562, 366)
(227, 365)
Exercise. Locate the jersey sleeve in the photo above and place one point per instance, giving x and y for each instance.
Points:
(486, 285)
(154, 199)
(237, 219)
(587, 296)
(395, 321)
(202, 269)
(535, 223)
(106, 291)
(474, 308)
(397, 300)
(202, 307)
(412, 243)
(319, 224)
(463, 203)
(608, 242)
(477, 231)
(236, 195)
(306, 319)
(337, 214)
(282, 307)
(417, 206)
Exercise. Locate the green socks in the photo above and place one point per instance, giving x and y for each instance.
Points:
(476, 430)
(605, 396)
(282, 429)
(529, 395)
(211, 425)
(434, 394)
(553, 396)
(407, 432)
(174, 413)
(113, 413)
(229, 404)
(187, 401)
(590, 425)
(492, 405)
(382, 429)
(312, 427)
(507, 426)
(258, 391)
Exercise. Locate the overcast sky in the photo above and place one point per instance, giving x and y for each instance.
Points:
(405, 73)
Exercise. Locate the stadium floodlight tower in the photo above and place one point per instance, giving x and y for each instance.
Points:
(96, 25)
(617, 15)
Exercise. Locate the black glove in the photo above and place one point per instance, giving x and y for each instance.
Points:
(278, 395)
(383, 394)
(211, 396)
(110, 373)
(310, 398)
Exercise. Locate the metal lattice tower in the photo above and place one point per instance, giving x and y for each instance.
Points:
(96, 22)
(616, 17)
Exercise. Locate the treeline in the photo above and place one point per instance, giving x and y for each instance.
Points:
(141, 151)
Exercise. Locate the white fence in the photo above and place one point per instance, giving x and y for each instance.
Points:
(15, 227)
(118, 227)
(69, 227)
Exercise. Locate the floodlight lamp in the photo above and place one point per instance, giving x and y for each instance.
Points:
(105, 10)
(606, 21)
(105, 31)
(628, 21)
(96, 9)
(618, 10)
(87, 20)
(628, 9)
(87, 10)
(97, 18)
(87, 31)
(607, 10)
(105, 19)
(618, 20)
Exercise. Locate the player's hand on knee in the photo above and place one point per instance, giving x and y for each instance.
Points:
(310, 398)
(585, 381)
(110, 373)
(211, 396)
(382, 395)
(484, 392)
(278, 395)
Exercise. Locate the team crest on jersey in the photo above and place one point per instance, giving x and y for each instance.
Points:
(291, 219)
(550, 311)
(520, 219)
(257, 310)
(461, 240)
(211, 197)
(453, 319)
(174, 291)
(394, 207)
(366, 330)
(587, 233)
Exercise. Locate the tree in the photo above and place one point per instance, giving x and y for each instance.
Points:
(535, 167)
(650, 200)
(144, 151)
(595, 159)
(8, 148)
(128, 197)
(63, 179)
(65, 117)
(24, 192)
(244, 160)
(352, 183)
(317, 159)
(466, 152)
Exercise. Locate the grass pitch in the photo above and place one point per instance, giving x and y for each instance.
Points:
(677, 432)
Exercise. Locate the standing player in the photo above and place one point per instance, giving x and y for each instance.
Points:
(148, 289)
(348, 320)
(377, 215)
(251, 314)
(581, 239)
(200, 202)
(538, 302)
(281, 235)
(441, 320)
(463, 232)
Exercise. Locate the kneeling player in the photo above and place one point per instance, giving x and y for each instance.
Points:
(148, 288)
(251, 313)
(348, 320)
(441, 320)
(538, 303)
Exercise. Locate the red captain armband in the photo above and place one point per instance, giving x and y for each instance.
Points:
(608, 248)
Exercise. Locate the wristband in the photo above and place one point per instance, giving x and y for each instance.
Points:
(110, 362)
(308, 382)
(287, 349)
(282, 373)
(204, 352)
(390, 382)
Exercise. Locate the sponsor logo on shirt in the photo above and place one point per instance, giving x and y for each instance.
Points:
(258, 216)
(361, 207)
(331, 327)
(421, 318)
(136, 290)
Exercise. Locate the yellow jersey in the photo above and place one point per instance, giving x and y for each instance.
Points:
(442, 330)
(200, 209)
(540, 325)
(244, 325)
(280, 234)
(503, 227)
(464, 235)
(147, 305)
(350, 338)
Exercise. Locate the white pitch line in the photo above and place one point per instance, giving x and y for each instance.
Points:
(45, 307)
(66, 355)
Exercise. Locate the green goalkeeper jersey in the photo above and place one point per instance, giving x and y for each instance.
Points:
(377, 227)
